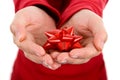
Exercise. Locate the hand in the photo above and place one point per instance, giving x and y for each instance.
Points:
(90, 26)
(28, 29)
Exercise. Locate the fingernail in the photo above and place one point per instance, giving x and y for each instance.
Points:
(56, 66)
(64, 61)
(74, 56)
(19, 37)
(49, 67)
(38, 54)
(46, 65)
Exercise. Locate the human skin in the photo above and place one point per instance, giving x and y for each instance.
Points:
(91, 27)
(28, 29)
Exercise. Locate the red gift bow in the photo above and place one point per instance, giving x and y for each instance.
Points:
(62, 40)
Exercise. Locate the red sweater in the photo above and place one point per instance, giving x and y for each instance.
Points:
(61, 11)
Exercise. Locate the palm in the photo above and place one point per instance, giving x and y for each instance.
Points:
(81, 27)
(90, 26)
(28, 28)
(37, 23)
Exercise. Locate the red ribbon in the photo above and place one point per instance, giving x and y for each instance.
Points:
(62, 40)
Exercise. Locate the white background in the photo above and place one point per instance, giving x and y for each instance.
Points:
(111, 50)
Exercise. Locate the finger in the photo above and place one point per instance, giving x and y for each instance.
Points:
(55, 65)
(30, 47)
(54, 54)
(87, 52)
(77, 61)
(96, 26)
(18, 30)
(100, 39)
(19, 34)
(33, 58)
(49, 63)
(45, 60)
(64, 58)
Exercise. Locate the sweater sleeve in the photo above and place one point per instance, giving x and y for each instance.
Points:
(96, 6)
(43, 4)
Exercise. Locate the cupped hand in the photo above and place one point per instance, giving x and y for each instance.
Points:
(28, 27)
(91, 27)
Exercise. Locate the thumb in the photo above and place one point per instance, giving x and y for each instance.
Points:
(100, 39)
(96, 26)
(19, 32)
